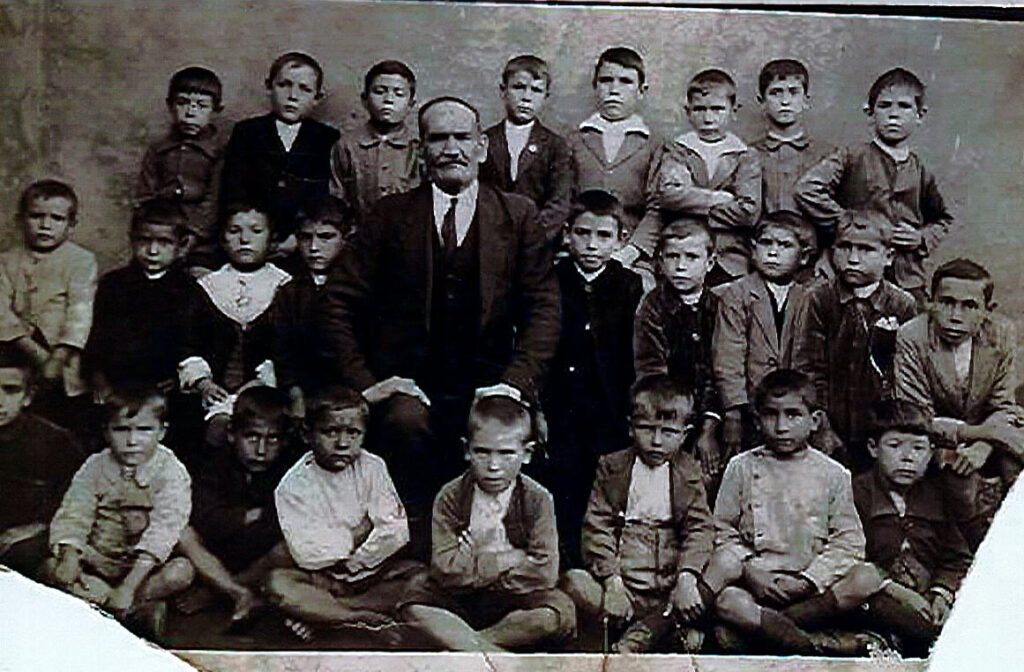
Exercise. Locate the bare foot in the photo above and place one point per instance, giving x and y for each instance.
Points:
(194, 600)
(300, 629)
(247, 605)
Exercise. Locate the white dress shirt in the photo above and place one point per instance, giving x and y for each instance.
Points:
(287, 133)
(517, 138)
(650, 496)
(465, 209)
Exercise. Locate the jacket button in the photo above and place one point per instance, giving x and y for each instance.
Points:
(772, 361)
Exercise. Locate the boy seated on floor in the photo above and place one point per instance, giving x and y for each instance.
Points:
(123, 515)
(648, 532)
(912, 536)
(494, 556)
(234, 539)
(789, 545)
(343, 523)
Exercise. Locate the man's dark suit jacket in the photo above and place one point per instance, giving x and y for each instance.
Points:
(258, 170)
(544, 175)
(376, 308)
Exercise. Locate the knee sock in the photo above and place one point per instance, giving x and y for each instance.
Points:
(814, 610)
(783, 633)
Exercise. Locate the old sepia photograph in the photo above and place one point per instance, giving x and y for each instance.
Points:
(343, 335)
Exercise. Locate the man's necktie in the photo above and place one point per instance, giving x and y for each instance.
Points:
(449, 240)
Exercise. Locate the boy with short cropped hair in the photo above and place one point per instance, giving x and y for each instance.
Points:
(957, 362)
(324, 225)
(910, 530)
(710, 173)
(759, 318)
(494, 556)
(788, 545)
(233, 537)
(47, 287)
(122, 516)
(140, 307)
(37, 461)
(675, 325)
(786, 150)
(848, 344)
(648, 531)
(282, 159)
(183, 165)
(586, 397)
(524, 156)
(343, 523)
(885, 174)
(614, 149)
(382, 157)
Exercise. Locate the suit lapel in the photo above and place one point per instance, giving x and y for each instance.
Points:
(942, 363)
(499, 154)
(269, 136)
(793, 320)
(723, 170)
(592, 141)
(617, 485)
(492, 226)
(538, 136)
(631, 144)
(761, 306)
(983, 360)
(418, 229)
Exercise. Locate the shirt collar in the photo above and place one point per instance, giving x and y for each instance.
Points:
(899, 156)
(144, 473)
(523, 129)
(773, 141)
(631, 124)
(589, 276)
(729, 144)
(503, 497)
(398, 137)
(467, 195)
(205, 141)
(870, 294)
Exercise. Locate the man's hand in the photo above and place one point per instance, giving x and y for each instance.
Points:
(466, 542)
(906, 236)
(709, 453)
(627, 254)
(685, 598)
(732, 432)
(939, 608)
(394, 385)
(721, 197)
(616, 602)
(971, 457)
(823, 267)
(212, 392)
(499, 390)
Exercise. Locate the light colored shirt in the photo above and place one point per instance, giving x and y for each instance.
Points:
(780, 292)
(650, 494)
(517, 138)
(487, 520)
(865, 292)
(790, 514)
(898, 154)
(613, 133)
(287, 133)
(101, 478)
(353, 515)
(962, 361)
(711, 152)
(589, 276)
(465, 209)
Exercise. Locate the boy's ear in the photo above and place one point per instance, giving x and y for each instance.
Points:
(873, 449)
(890, 255)
(465, 448)
(817, 418)
(867, 110)
(528, 448)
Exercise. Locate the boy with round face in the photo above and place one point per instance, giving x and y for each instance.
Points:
(382, 157)
(792, 541)
(885, 174)
(910, 528)
(524, 156)
(848, 344)
(281, 160)
(787, 151)
(112, 536)
(494, 551)
(759, 318)
(49, 284)
(179, 167)
(343, 522)
(648, 516)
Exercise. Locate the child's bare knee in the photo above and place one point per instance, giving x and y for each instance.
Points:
(734, 604)
(280, 586)
(860, 583)
(722, 569)
(582, 589)
(178, 574)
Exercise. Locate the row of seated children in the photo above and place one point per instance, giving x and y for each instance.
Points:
(321, 543)
(285, 159)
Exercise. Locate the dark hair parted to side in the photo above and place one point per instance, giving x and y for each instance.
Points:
(683, 227)
(625, 57)
(964, 269)
(132, 399)
(332, 399)
(806, 237)
(13, 357)
(503, 410)
(296, 58)
(896, 415)
(260, 402)
(900, 77)
(446, 99)
(780, 69)
(536, 67)
(327, 210)
(195, 79)
(601, 203)
(162, 211)
(389, 68)
(781, 382)
(864, 221)
(658, 393)
(706, 81)
(45, 190)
